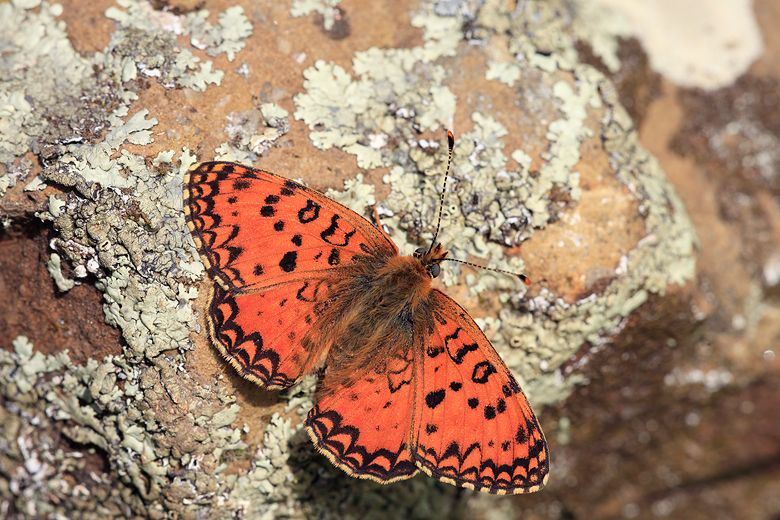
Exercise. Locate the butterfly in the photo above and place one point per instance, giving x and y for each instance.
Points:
(409, 383)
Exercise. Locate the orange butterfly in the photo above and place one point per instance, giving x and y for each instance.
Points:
(411, 382)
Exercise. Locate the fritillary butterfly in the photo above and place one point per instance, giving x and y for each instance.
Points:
(410, 382)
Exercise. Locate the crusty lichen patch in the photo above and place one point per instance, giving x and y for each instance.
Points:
(399, 92)
(119, 224)
(537, 336)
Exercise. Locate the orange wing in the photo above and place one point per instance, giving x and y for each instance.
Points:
(273, 245)
(473, 426)
(364, 429)
(255, 229)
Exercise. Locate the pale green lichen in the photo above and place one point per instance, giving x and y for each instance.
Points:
(503, 72)
(164, 157)
(252, 132)
(54, 266)
(36, 184)
(226, 37)
(122, 223)
(483, 205)
(55, 206)
(356, 195)
(355, 115)
(325, 8)
(151, 36)
(602, 28)
(226, 152)
(33, 46)
(5, 183)
(557, 329)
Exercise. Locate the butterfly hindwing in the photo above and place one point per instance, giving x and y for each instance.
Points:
(254, 229)
(473, 426)
(364, 428)
(262, 333)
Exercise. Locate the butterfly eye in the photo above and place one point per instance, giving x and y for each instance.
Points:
(419, 252)
(434, 270)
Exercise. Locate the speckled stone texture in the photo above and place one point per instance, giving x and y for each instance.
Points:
(646, 215)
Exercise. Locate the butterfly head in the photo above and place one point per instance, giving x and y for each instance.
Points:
(430, 258)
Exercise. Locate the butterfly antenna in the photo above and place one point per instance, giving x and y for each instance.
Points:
(523, 277)
(451, 145)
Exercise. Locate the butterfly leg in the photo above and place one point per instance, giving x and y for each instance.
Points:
(379, 224)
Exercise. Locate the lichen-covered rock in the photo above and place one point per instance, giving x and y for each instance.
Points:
(546, 159)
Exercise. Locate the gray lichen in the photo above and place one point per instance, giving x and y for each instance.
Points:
(254, 131)
(121, 222)
(399, 92)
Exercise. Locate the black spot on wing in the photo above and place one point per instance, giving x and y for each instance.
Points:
(241, 184)
(289, 262)
(299, 295)
(329, 235)
(279, 225)
(435, 398)
(455, 386)
(432, 352)
(258, 270)
(297, 240)
(333, 258)
(473, 402)
(272, 199)
(462, 351)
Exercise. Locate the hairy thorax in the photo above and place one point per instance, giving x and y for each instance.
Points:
(378, 311)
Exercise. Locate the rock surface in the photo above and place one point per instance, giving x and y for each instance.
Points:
(647, 341)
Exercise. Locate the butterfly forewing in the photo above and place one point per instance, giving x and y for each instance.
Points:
(473, 426)
(255, 229)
